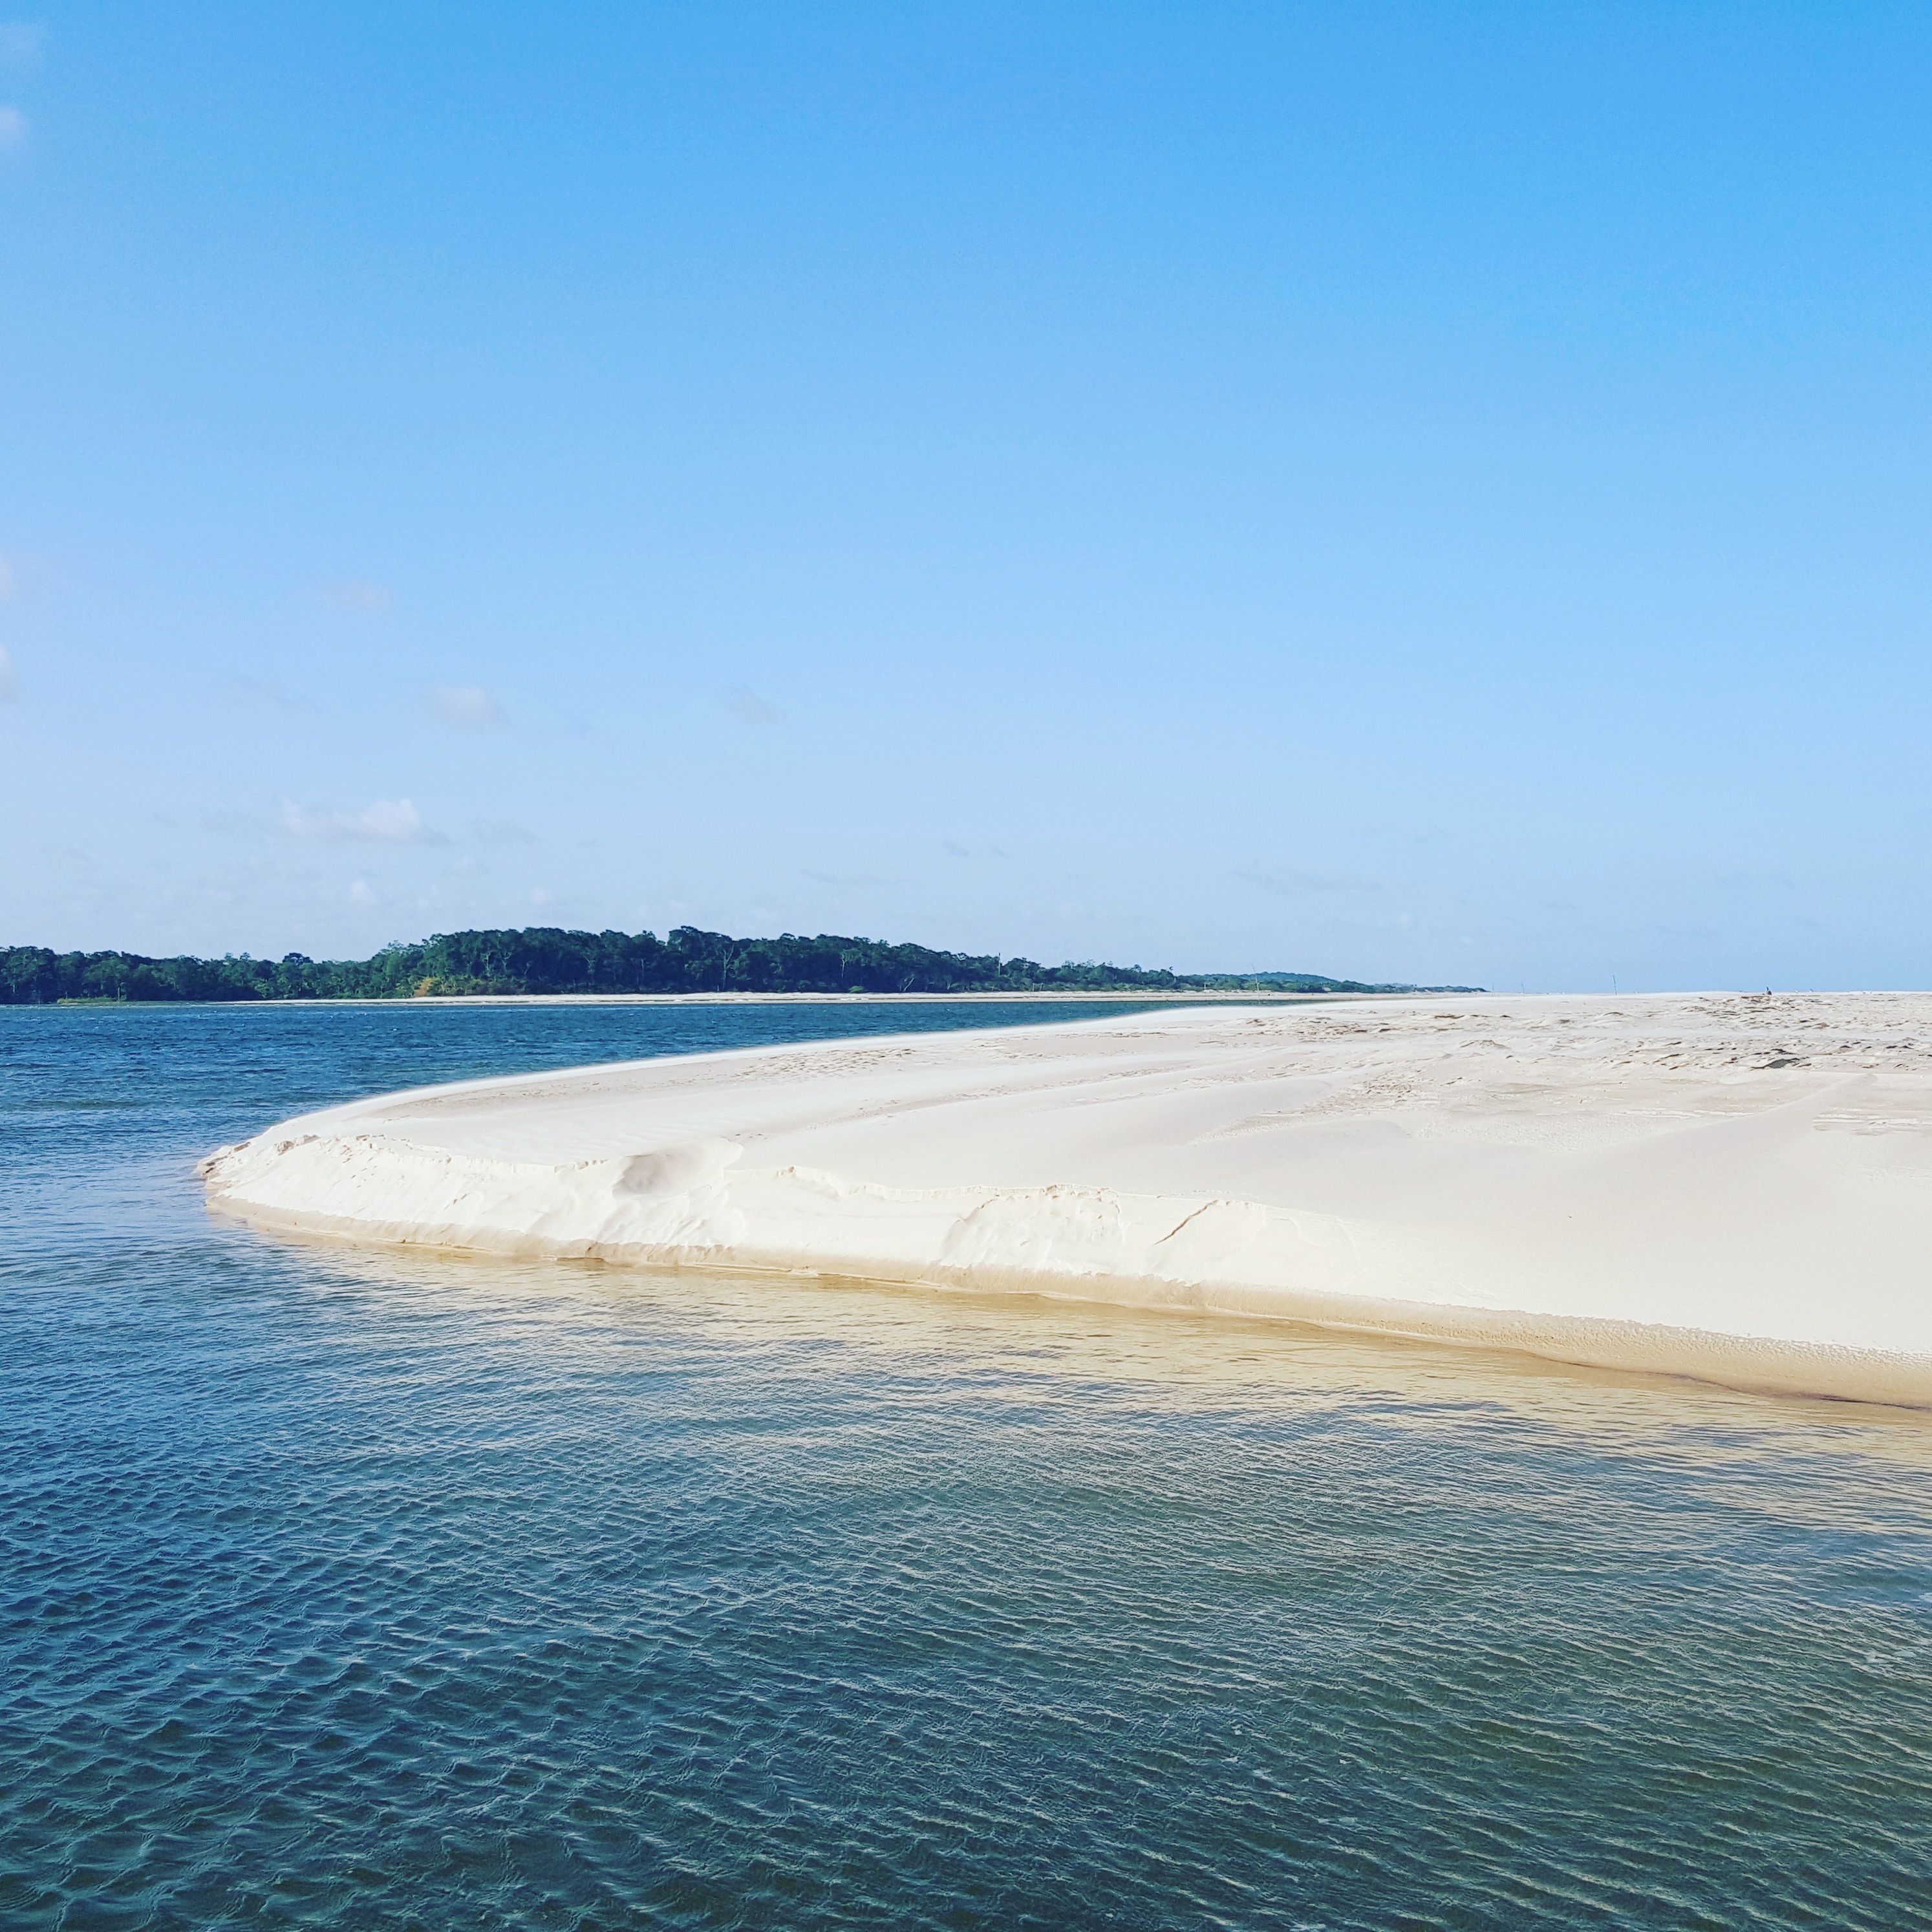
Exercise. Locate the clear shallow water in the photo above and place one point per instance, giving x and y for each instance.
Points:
(353, 1589)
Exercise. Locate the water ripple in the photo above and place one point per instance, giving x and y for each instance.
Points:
(351, 1590)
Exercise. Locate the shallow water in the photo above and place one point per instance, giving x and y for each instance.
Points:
(359, 1589)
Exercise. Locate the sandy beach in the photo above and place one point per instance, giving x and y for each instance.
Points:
(1734, 1187)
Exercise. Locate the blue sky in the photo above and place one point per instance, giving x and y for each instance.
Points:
(1427, 493)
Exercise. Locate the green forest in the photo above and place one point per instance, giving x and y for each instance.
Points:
(546, 959)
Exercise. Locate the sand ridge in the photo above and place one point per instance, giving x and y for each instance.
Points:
(1733, 1186)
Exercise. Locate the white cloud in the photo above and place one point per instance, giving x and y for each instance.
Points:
(21, 41)
(466, 704)
(389, 821)
(749, 708)
(362, 893)
(9, 684)
(357, 593)
(14, 128)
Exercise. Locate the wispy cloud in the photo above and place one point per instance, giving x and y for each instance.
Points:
(356, 593)
(21, 42)
(501, 832)
(1286, 879)
(389, 821)
(23, 576)
(747, 707)
(468, 705)
(10, 683)
(266, 690)
(229, 823)
(849, 879)
(14, 129)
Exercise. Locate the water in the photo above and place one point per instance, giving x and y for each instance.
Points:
(353, 1589)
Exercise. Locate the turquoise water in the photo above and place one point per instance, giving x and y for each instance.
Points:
(353, 1589)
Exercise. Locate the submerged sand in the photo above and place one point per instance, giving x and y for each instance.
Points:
(1735, 1187)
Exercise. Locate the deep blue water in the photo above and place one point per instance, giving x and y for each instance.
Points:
(355, 1589)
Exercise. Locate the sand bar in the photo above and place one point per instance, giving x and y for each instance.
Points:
(1738, 1188)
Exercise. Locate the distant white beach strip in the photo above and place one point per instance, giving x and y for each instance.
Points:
(1731, 1187)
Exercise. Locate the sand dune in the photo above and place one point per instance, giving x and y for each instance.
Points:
(1738, 1188)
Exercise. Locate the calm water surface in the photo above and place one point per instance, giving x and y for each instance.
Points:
(354, 1589)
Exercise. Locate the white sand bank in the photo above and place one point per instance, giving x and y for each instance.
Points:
(1735, 1188)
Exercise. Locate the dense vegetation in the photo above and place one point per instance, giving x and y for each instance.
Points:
(545, 959)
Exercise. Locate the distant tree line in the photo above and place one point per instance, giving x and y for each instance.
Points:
(546, 959)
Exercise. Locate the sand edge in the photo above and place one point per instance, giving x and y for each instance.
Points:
(679, 1208)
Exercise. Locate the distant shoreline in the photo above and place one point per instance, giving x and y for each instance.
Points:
(541, 961)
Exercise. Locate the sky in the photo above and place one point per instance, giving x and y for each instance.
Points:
(1413, 493)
